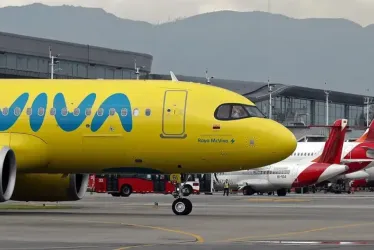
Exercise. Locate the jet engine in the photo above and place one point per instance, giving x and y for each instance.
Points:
(8, 170)
(50, 187)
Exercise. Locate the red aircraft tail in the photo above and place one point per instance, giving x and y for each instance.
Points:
(368, 136)
(332, 152)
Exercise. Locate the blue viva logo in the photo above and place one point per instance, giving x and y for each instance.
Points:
(68, 121)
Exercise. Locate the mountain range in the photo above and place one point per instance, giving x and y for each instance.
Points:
(251, 46)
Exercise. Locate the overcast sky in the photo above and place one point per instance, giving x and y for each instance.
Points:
(360, 11)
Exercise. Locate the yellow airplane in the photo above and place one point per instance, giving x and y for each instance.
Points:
(54, 132)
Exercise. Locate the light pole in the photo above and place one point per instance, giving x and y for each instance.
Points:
(270, 88)
(367, 101)
(52, 63)
(137, 70)
(327, 107)
(207, 77)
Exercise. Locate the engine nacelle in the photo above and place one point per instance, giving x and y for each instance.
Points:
(8, 171)
(50, 187)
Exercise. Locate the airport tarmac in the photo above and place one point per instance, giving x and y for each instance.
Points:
(100, 221)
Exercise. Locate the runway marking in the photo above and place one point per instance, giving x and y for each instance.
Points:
(198, 238)
(244, 239)
(131, 247)
(47, 248)
(277, 200)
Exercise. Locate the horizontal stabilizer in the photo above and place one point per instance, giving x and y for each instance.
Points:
(332, 151)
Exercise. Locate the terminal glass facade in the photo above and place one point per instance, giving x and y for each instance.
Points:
(64, 68)
(293, 111)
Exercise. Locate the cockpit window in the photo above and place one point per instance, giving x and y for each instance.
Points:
(253, 111)
(223, 112)
(238, 112)
(234, 111)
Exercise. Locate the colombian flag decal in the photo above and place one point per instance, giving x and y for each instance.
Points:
(216, 126)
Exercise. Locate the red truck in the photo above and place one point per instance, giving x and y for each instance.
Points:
(126, 184)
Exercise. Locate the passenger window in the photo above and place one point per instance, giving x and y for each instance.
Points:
(238, 112)
(52, 111)
(223, 112)
(64, 111)
(40, 111)
(88, 111)
(76, 111)
(112, 111)
(123, 112)
(136, 112)
(29, 111)
(100, 112)
(17, 111)
(5, 111)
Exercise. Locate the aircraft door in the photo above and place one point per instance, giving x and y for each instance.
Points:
(174, 114)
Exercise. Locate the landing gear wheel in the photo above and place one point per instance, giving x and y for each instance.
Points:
(182, 206)
(248, 191)
(282, 192)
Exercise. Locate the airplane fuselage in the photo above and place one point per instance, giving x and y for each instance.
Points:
(267, 178)
(86, 126)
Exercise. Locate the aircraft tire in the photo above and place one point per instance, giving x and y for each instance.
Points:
(182, 206)
(126, 190)
(248, 191)
(282, 192)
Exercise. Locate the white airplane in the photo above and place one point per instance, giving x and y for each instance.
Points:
(305, 167)
(358, 155)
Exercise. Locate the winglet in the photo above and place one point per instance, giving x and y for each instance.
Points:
(173, 77)
(368, 136)
(332, 152)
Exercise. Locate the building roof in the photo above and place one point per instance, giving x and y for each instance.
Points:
(32, 46)
(258, 91)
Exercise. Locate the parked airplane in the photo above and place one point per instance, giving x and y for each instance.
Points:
(358, 155)
(52, 132)
(294, 172)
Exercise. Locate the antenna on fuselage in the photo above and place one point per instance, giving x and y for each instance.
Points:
(173, 77)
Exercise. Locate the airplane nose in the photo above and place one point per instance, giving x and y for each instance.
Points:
(332, 171)
(282, 142)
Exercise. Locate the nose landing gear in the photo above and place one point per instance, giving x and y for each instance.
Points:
(181, 206)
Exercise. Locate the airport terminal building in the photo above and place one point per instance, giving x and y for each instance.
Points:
(28, 57)
(294, 106)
